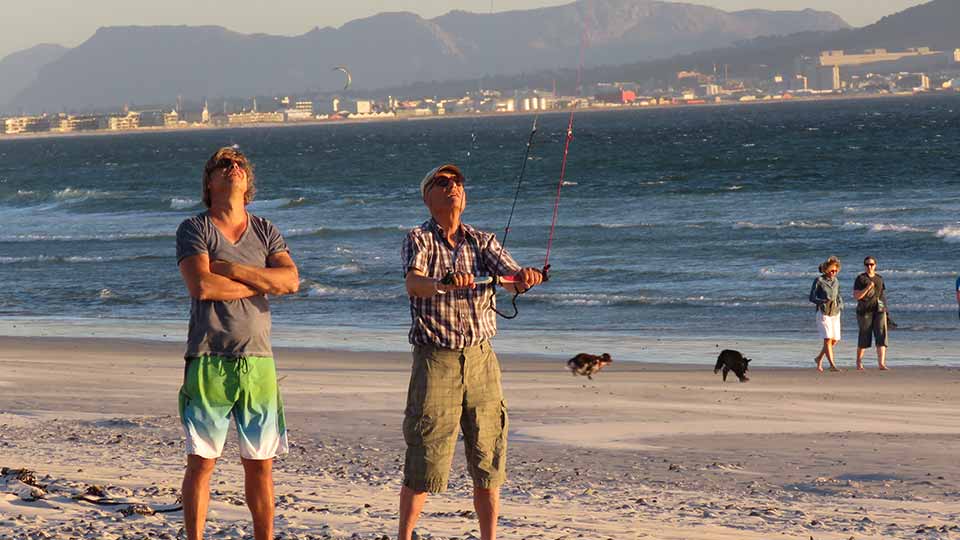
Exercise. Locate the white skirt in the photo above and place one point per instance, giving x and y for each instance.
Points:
(828, 326)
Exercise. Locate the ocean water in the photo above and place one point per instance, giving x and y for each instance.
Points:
(683, 224)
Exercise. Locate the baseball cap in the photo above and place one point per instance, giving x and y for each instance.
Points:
(425, 183)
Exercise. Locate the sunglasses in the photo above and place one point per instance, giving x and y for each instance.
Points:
(228, 162)
(445, 181)
(869, 264)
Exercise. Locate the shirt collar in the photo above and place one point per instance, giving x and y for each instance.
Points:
(435, 227)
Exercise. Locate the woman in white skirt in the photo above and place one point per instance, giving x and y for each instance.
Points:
(825, 293)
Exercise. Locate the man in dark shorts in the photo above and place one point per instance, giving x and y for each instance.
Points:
(455, 380)
(871, 295)
(230, 261)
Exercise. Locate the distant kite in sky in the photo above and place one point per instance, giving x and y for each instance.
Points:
(347, 73)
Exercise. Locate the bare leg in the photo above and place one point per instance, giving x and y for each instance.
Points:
(258, 486)
(486, 501)
(411, 504)
(195, 494)
(830, 343)
(860, 358)
(823, 352)
(882, 358)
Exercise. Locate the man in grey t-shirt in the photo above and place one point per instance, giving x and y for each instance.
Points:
(230, 261)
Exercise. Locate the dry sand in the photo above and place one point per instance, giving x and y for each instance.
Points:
(641, 451)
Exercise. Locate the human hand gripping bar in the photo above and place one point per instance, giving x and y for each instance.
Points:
(500, 280)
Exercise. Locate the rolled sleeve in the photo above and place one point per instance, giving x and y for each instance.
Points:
(413, 254)
(275, 242)
(190, 240)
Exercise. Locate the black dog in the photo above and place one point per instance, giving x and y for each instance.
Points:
(588, 364)
(732, 361)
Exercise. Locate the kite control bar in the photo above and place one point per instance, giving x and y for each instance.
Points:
(500, 280)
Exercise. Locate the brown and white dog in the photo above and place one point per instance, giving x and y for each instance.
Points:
(588, 364)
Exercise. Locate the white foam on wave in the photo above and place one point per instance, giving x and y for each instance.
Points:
(926, 307)
(178, 203)
(893, 227)
(33, 237)
(315, 289)
(106, 294)
(269, 204)
(783, 225)
(583, 299)
(318, 290)
(875, 210)
(917, 273)
(949, 233)
(309, 231)
(69, 194)
(774, 273)
(623, 225)
(570, 183)
(20, 260)
(297, 202)
(884, 227)
(344, 269)
(69, 259)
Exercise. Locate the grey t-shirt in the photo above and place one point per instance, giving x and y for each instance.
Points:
(231, 328)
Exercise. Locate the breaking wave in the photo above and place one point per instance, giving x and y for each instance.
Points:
(783, 225)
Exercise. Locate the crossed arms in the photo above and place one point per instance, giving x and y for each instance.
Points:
(222, 280)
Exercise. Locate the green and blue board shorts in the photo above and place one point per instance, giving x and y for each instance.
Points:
(216, 388)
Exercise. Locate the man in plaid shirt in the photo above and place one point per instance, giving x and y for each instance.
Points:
(455, 380)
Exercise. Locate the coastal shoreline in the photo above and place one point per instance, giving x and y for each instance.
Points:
(647, 349)
(348, 121)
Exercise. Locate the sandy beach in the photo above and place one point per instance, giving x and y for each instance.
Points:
(641, 451)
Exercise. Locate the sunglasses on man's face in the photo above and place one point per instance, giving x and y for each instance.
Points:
(227, 163)
(445, 181)
(869, 264)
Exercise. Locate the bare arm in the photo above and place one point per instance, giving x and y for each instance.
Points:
(858, 294)
(205, 285)
(280, 276)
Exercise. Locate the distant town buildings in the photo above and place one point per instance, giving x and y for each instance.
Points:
(833, 72)
(25, 124)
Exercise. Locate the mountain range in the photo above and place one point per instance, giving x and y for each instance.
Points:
(155, 64)
(933, 24)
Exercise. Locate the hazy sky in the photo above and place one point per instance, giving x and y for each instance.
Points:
(25, 23)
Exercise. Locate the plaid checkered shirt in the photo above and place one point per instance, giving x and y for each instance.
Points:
(461, 318)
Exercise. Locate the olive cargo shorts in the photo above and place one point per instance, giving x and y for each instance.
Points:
(451, 388)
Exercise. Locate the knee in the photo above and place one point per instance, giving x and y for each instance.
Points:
(200, 466)
(491, 492)
(259, 467)
(408, 492)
